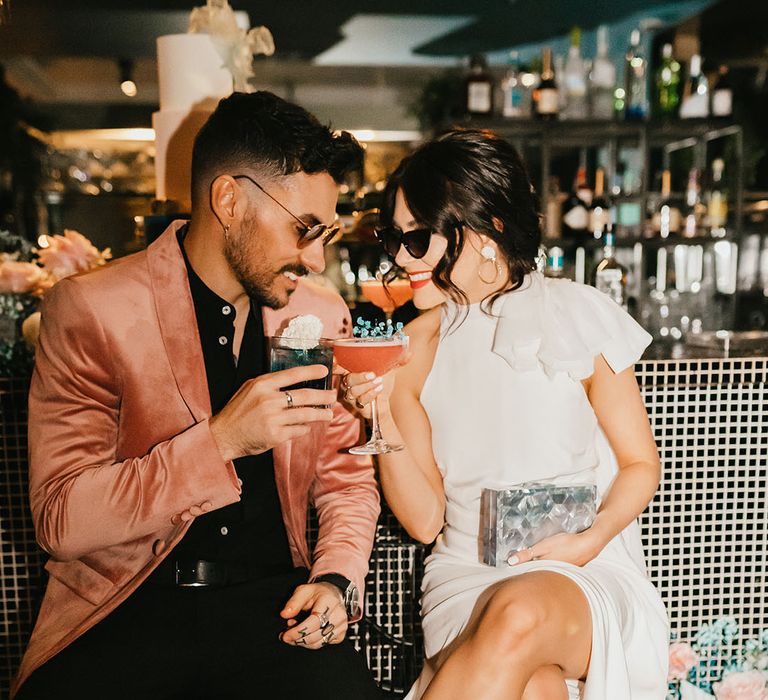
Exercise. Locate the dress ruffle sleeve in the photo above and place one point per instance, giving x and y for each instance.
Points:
(562, 326)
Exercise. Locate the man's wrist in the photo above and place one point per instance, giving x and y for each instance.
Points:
(348, 590)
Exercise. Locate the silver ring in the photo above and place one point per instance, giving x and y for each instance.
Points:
(289, 398)
(328, 638)
(324, 621)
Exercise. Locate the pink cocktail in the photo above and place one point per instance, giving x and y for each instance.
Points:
(378, 355)
(368, 354)
(387, 297)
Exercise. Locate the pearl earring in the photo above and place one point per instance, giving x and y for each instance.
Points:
(488, 254)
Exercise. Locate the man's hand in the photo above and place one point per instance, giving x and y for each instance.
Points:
(260, 415)
(327, 620)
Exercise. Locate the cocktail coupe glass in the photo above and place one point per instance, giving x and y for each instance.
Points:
(377, 354)
(387, 296)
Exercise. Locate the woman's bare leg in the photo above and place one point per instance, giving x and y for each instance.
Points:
(532, 621)
(548, 683)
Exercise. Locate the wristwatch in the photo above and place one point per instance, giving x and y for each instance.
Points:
(349, 592)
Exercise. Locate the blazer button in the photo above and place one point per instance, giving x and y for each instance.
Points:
(158, 547)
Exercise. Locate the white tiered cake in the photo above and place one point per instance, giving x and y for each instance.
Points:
(192, 80)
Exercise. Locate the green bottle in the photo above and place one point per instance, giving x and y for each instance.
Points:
(667, 84)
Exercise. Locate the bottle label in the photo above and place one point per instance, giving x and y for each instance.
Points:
(576, 218)
(479, 97)
(548, 101)
(609, 281)
(722, 103)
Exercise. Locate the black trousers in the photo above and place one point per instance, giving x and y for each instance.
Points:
(200, 644)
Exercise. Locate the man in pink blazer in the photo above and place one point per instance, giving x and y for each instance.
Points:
(170, 473)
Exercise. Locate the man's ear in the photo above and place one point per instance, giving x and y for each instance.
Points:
(224, 199)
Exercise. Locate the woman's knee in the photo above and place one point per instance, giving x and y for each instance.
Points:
(512, 620)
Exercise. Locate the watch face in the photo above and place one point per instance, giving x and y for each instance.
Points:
(352, 600)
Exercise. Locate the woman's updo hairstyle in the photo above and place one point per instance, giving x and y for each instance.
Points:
(470, 178)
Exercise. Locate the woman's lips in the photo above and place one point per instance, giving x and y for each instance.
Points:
(420, 279)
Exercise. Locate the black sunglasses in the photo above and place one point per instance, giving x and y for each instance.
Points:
(307, 233)
(416, 242)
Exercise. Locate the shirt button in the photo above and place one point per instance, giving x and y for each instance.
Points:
(226, 310)
(222, 340)
(224, 530)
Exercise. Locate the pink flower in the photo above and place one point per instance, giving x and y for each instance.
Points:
(69, 254)
(20, 277)
(742, 685)
(682, 658)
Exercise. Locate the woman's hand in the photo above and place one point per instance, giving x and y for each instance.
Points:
(360, 389)
(577, 549)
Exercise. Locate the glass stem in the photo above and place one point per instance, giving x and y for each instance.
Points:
(375, 430)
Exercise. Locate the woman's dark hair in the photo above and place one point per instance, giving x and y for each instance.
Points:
(261, 131)
(467, 178)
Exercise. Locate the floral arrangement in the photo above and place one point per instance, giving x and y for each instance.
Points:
(26, 274)
(366, 329)
(693, 667)
(236, 46)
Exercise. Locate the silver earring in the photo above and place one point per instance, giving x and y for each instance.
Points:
(489, 256)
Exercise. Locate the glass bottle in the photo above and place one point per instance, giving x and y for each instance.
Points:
(512, 90)
(667, 84)
(576, 207)
(574, 80)
(717, 200)
(666, 218)
(555, 267)
(635, 66)
(722, 94)
(547, 96)
(692, 213)
(602, 79)
(696, 96)
(479, 88)
(599, 212)
(611, 276)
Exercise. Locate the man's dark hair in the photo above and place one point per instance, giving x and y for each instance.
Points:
(260, 131)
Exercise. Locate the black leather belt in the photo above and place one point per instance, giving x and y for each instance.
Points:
(198, 572)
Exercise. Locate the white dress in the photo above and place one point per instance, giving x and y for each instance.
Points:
(506, 405)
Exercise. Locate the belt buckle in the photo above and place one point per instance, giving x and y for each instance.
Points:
(194, 581)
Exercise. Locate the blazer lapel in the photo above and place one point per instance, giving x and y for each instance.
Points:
(178, 324)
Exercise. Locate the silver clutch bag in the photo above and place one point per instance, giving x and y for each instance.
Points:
(513, 519)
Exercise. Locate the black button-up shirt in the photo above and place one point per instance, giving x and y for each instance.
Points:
(250, 532)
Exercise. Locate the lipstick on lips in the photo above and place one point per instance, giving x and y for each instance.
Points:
(420, 279)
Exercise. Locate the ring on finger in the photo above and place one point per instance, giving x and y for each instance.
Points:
(532, 555)
(359, 404)
(328, 638)
(288, 398)
(324, 621)
(345, 383)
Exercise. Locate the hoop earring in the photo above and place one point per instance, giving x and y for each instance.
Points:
(489, 256)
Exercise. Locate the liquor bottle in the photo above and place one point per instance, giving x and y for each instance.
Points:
(667, 84)
(602, 79)
(547, 96)
(479, 88)
(512, 90)
(555, 267)
(574, 80)
(611, 276)
(722, 94)
(600, 211)
(627, 202)
(576, 206)
(717, 200)
(692, 212)
(666, 218)
(635, 66)
(696, 96)
(553, 221)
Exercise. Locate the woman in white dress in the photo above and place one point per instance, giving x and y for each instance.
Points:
(514, 378)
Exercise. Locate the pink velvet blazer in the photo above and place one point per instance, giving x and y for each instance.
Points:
(120, 444)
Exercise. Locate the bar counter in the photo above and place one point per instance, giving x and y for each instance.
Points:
(705, 533)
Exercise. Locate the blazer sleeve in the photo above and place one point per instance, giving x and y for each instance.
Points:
(346, 498)
(83, 498)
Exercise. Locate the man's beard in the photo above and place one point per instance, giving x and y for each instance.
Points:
(257, 284)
